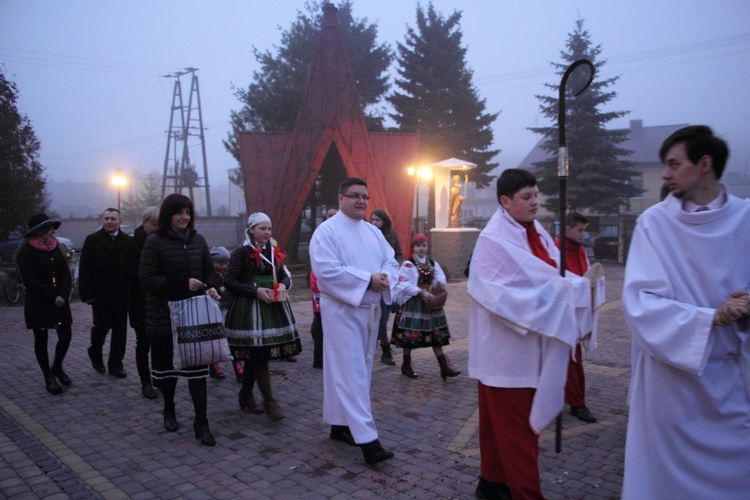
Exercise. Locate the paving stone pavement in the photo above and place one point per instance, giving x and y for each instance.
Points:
(102, 439)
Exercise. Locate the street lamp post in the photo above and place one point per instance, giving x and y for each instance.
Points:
(119, 181)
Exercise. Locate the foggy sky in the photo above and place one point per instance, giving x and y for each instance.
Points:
(91, 72)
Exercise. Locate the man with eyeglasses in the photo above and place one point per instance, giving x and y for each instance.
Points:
(355, 267)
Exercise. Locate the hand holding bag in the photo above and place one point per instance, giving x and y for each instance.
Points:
(198, 332)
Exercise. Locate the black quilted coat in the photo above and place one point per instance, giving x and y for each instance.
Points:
(46, 276)
(167, 263)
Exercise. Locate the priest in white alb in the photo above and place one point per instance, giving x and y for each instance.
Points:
(685, 300)
(355, 267)
(524, 318)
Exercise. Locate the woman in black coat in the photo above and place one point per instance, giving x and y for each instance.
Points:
(44, 271)
(175, 265)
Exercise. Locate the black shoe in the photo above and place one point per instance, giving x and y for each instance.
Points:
(343, 434)
(119, 373)
(148, 391)
(582, 413)
(203, 433)
(492, 491)
(52, 386)
(170, 422)
(387, 359)
(374, 453)
(61, 376)
(96, 363)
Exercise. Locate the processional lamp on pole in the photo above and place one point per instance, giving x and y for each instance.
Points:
(562, 175)
(119, 181)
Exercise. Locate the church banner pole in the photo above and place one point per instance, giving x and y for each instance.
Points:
(562, 175)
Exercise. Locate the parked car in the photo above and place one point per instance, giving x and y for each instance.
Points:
(605, 247)
(8, 248)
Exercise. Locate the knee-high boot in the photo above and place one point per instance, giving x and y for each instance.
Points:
(245, 396)
(264, 383)
(445, 368)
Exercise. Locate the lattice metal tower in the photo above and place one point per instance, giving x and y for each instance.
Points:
(185, 134)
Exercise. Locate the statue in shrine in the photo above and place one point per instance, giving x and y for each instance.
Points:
(456, 203)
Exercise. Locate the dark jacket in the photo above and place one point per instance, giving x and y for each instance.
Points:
(46, 276)
(166, 266)
(137, 297)
(102, 271)
(242, 269)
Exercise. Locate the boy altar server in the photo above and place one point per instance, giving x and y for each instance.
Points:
(524, 318)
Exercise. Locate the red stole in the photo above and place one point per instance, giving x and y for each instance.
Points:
(535, 243)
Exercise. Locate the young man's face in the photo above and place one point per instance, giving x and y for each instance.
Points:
(576, 232)
(523, 205)
(681, 175)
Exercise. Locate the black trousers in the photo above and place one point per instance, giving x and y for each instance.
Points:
(142, 348)
(108, 318)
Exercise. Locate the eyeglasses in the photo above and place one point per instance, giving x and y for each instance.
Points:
(362, 197)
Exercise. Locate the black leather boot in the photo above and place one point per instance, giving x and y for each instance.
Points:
(203, 433)
(51, 383)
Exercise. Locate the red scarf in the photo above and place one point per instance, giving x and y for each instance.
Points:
(535, 243)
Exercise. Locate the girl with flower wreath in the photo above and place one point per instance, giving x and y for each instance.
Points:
(417, 324)
(260, 325)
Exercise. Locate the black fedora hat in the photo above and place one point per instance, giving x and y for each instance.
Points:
(38, 221)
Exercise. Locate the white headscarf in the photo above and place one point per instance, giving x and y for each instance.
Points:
(254, 219)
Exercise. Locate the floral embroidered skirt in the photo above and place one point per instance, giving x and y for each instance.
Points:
(259, 330)
(415, 326)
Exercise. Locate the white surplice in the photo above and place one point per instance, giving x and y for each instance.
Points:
(524, 317)
(344, 253)
(689, 424)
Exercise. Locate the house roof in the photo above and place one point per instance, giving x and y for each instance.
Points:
(644, 142)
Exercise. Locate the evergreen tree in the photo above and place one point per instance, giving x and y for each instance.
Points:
(271, 102)
(599, 180)
(148, 196)
(22, 190)
(438, 98)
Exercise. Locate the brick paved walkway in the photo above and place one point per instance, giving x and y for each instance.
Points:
(102, 439)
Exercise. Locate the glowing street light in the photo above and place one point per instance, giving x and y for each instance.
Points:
(119, 180)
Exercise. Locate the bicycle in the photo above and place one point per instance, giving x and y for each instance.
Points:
(12, 287)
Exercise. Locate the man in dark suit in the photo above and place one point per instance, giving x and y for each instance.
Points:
(103, 284)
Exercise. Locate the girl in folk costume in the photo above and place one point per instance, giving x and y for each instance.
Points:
(420, 320)
(44, 270)
(260, 325)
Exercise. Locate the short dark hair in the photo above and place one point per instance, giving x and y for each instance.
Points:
(351, 181)
(512, 181)
(699, 141)
(574, 218)
(171, 206)
(110, 209)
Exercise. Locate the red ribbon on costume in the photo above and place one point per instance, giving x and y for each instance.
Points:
(278, 256)
(255, 254)
(275, 292)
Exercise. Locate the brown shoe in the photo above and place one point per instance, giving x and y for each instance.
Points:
(273, 411)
